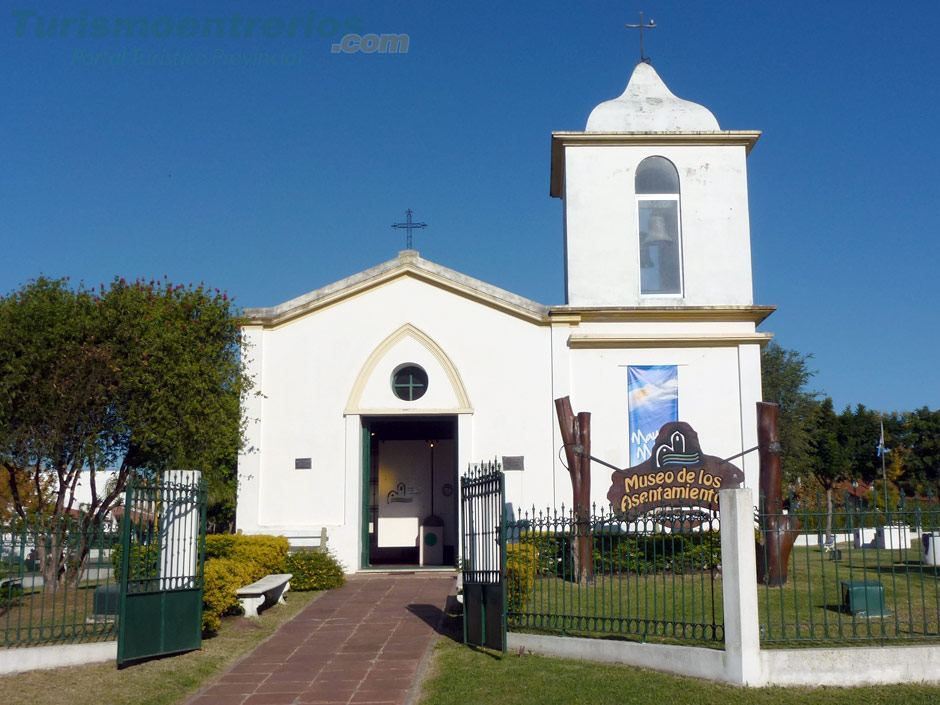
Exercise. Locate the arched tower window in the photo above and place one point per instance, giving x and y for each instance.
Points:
(657, 201)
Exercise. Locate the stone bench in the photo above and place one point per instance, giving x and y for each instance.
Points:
(270, 588)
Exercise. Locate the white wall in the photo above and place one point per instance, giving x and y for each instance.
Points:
(601, 225)
(310, 367)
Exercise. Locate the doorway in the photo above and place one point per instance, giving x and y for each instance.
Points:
(409, 482)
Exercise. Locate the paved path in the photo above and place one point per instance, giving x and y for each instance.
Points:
(362, 643)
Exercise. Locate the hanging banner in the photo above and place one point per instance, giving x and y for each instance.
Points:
(653, 401)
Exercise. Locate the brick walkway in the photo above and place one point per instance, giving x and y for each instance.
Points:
(362, 643)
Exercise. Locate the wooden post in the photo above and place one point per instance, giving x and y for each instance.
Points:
(576, 431)
(778, 531)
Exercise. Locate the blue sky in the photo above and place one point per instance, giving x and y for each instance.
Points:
(144, 156)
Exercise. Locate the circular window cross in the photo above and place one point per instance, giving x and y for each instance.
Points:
(409, 382)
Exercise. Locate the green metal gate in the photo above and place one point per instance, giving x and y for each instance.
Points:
(162, 557)
(483, 539)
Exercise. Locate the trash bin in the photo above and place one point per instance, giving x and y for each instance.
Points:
(931, 544)
(431, 538)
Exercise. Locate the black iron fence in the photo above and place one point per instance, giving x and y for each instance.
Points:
(57, 582)
(856, 573)
(653, 578)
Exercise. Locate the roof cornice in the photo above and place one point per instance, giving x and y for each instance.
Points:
(718, 138)
(626, 314)
(667, 340)
(408, 264)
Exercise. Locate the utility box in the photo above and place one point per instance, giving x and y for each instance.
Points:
(431, 541)
(106, 604)
(864, 598)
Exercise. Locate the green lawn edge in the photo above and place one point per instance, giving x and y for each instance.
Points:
(170, 680)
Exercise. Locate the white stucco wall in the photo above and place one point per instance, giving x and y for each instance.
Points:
(719, 386)
(309, 369)
(601, 230)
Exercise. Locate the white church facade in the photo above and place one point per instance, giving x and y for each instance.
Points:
(378, 391)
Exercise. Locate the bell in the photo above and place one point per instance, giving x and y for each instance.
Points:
(656, 232)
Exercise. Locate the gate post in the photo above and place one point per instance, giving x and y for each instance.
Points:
(179, 530)
(739, 587)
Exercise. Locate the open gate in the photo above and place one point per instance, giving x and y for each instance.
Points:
(162, 557)
(483, 539)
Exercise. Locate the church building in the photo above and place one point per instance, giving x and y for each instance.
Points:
(378, 391)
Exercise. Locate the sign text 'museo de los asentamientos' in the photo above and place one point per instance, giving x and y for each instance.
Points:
(678, 475)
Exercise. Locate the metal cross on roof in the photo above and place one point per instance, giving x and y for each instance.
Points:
(409, 226)
(641, 27)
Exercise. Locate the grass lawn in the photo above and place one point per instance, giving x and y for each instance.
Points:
(809, 605)
(163, 681)
(460, 675)
(52, 614)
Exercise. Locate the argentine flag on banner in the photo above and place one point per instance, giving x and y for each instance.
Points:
(652, 400)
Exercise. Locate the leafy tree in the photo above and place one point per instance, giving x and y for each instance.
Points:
(784, 378)
(830, 463)
(921, 434)
(134, 376)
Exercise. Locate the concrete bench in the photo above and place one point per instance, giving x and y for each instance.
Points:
(270, 588)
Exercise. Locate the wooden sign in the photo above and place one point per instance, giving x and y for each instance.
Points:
(677, 477)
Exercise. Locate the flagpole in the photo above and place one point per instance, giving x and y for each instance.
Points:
(884, 476)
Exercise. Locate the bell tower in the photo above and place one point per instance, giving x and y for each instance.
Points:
(655, 203)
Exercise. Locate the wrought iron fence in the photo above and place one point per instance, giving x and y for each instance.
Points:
(57, 582)
(653, 578)
(856, 574)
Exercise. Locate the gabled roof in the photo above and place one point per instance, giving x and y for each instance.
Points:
(407, 264)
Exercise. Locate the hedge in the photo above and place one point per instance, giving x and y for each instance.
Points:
(233, 561)
(522, 562)
(615, 553)
(221, 579)
(314, 570)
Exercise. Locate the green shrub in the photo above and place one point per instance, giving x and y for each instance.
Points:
(522, 562)
(221, 579)
(142, 561)
(233, 561)
(314, 570)
(617, 553)
(265, 554)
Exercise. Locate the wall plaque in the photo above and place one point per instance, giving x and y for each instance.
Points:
(303, 463)
(513, 462)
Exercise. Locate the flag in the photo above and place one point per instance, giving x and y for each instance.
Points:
(881, 440)
(652, 400)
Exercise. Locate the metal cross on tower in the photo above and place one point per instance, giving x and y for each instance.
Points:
(641, 27)
(409, 226)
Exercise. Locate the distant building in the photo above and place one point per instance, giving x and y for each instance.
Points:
(378, 390)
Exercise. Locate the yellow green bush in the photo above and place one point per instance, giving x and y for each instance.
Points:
(221, 578)
(233, 561)
(314, 570)
(522, 560)
(265, 554)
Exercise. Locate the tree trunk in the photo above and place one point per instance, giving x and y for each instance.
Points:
(576, 431)
(778, 531)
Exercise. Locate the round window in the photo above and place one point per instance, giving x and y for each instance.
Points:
(409, 382)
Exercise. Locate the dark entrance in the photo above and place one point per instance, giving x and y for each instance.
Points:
(409, 491)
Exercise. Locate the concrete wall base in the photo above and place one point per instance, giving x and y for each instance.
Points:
(851, 665)
(848, 666)
(40, 657)
(697, 662)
